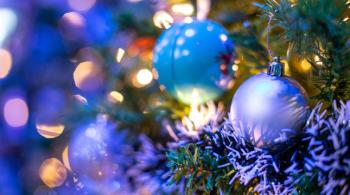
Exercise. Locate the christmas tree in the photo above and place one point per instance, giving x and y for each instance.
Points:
(175, 97)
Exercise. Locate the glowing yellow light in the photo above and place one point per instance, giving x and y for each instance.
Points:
(345, 19)
(305, 66)
(144, 77)
(119, 55)
(81, 5)
(235, 67)
(183, 9)
(52, 172)
(199, 116)
(195, 115)
(115, 97)
(5, 63)
(50, 130)
(84, 72)
(162, 19)
(16, 112)
(286, 67)
(8, 23)
(318, 60)
(65, 158)
(74, 18)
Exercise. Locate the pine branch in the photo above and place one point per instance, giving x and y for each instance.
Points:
(319, 31)
(201, 169)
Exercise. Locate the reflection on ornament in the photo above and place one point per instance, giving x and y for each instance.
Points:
(195, 55)
(273, 106)
(52, 172)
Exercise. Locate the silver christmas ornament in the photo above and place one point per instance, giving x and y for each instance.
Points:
(269, 109)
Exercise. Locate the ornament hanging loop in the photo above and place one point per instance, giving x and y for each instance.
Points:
(268, 36)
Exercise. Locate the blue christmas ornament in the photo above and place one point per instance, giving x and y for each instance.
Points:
(194, 58)
(273, 107)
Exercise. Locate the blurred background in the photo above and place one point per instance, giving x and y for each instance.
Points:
(71, 67)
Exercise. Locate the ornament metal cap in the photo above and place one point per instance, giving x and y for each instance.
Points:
(276, 67)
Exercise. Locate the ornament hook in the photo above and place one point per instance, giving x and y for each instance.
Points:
(276, 67)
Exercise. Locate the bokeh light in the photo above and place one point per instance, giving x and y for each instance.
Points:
(203, 8)
(115, 97)
(185, 9)
(65, 158)
(16, 112)
(52, 172)
(119, 55)
(50, 130)
(82, 100)
(87, 76)
(5, 63)
(81, 5)
(143, 77)
(74, 19)
(162, 19)
(8, 23)
(305, 66)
